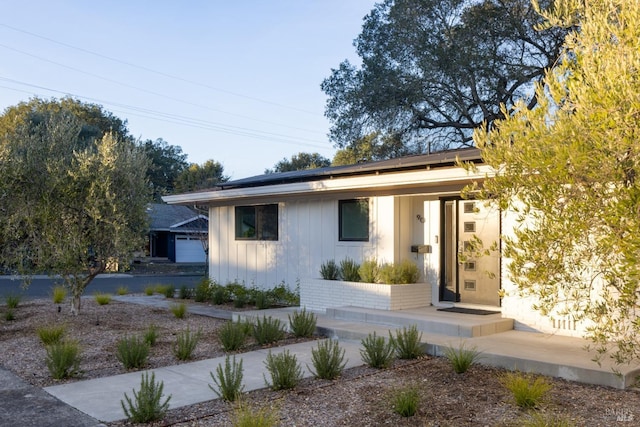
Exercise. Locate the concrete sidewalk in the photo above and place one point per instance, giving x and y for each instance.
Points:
(186, 383)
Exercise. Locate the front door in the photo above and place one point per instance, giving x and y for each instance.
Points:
(468, 274)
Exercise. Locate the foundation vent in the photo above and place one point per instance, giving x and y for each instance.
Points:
(565, 324)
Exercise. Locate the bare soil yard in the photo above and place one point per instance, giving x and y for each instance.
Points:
(361, 397)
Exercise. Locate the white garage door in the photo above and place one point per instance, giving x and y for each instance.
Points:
(189, 249)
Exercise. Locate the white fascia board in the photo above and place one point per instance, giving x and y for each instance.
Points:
(425, 178)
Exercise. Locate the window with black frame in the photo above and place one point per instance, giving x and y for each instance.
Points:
(354, 220)
(258, 222)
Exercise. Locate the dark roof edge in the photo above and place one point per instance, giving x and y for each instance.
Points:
(414, 162)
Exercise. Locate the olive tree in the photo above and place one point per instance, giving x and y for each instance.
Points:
(70, 206)
(568, 170)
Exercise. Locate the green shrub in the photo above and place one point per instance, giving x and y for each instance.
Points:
(179, 310)
(122, 290)
(186, 343)
(399, 274)
(263, 300)
(349, 270)
(405, 401)
(50, 334)
(462, 358)
(228, 380)
(185, 292)
(240, 300)
(203, 291)
(236, 290)
(377, 352)
(146, 405)
(148, 291)
(232, 335)
(10, 315)
(527, 391)
(302, 323)
(12, 300)
(407, 342)
(219, 295)
(282, 295)
(102, 299)
(58, 294)
(150, 336)
(329, 270)
(63, 359)
(246, 416)
(284, 370)
(328, 360)
(369, 271)
(268, 330)
(169, 291)
(132, 352)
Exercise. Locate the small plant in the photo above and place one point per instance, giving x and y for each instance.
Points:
(527, 391)
(146, 404)
(102, 299)
(132, 352)
(302, 323)
(179, 310)
(186, 344)
(122, 290)
(203, 291)
(10, 315)
(150, 336)
(63, 359)
(58, 294)
(405, 401)
(232, 335)
(185, 292)
(284, 369)
(220, 295)
(148, 291)
(399, 274)
(12, 300)
(329, 270)
(263, 300)
(246, 416)
(268, 330)
(378, 352)
(228, 379)
(240, 300)
(282, 295)
(349, 270)
(369, 271)
(50, 334)
(169, 291)
(407, 342)
(462, 358)
(328, 360)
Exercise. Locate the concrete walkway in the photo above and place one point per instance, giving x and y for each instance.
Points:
(189, 383)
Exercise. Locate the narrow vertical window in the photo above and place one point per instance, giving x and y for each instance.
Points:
(354, 220)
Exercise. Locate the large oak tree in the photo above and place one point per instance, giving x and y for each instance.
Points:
(434, 70)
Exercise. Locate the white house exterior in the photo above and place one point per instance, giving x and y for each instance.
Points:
(279, 228)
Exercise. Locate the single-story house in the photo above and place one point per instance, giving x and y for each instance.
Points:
(282, 227)
(177, 233)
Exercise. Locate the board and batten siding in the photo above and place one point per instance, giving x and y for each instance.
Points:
(307, 237)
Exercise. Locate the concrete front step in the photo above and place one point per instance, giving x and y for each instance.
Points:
(427, 319)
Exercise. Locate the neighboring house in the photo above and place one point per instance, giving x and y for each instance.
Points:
(177, 233)
(281, 227)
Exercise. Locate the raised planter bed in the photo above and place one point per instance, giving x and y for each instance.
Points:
(319, 294)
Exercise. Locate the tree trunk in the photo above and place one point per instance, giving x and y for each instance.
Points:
(75, 301)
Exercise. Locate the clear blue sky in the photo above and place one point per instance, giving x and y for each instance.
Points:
(233, 81)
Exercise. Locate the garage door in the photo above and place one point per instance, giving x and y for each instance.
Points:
(189, 249)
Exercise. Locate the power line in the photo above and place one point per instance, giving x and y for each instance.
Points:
(150, 70)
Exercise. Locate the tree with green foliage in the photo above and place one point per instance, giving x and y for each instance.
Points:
(568, 172)
(167, 162)
(200, 177)
(72, 202)
(300, 161)
(370, 148)
(433, 71)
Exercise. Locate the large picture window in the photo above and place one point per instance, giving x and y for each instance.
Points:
(354, 220)
(257, 222)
